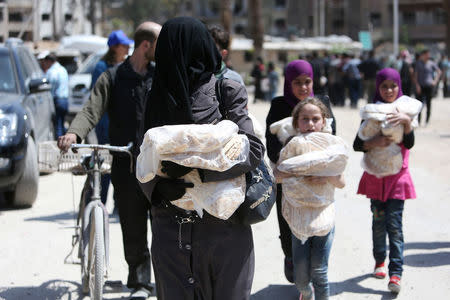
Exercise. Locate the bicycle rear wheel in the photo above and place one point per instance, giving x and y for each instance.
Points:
(96, 255)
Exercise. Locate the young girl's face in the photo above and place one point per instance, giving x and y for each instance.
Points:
(310, 119)
(302, 87)
(388, 90)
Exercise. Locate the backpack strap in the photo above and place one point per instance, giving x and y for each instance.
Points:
(219, 97)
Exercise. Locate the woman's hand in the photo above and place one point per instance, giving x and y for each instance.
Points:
(400, 118)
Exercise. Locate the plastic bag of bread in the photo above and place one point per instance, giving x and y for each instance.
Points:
(379, 111)
(213, 147)
(333, 155)
(371, 127)
(306, 221)
(297, 190)
(383, 161)
(283, 128)
(219, 198)
(328, 162)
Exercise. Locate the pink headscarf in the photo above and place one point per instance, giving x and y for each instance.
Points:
(293, 70)
(387, 74)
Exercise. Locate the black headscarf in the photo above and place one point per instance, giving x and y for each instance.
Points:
(186, 57)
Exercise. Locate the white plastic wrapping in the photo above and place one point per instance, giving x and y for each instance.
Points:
(307, 221)
(213, 147)
(298, 191)
(384, 161)
(283, 128)
(328, 162)
(219, 198)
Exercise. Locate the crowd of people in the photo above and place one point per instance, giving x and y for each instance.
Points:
(170, 79)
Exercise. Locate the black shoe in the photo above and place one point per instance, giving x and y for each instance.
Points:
(289, 269)
(140, 294)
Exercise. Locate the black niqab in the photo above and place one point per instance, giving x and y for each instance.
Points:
(186, 57)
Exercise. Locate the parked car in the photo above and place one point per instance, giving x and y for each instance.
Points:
(26, 118)
(80, 82)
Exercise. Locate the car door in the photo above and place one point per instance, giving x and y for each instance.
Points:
(40, 104)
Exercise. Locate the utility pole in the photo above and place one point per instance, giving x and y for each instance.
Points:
(256, 26)
(225, 15)
(395, 8)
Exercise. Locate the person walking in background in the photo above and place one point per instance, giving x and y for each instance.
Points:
(336, 81)
(310, 254)
(273, 77)
(320, 79)
(121, 91)
(369, 68)
(59, 79)
(222, 40)
(257, 74)
(207, 257)
(427, 75)
(406, 71)
(352, 78)
(119, 45)
(388, 193)
(298, 85)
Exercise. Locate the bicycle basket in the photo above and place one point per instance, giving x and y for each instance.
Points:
(52, 160)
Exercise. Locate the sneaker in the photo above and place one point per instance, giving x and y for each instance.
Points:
(140, 294)
(394, 284)
(379, 271)
(289, 269)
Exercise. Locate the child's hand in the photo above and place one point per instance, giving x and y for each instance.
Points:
(400, 118)
(378, 141)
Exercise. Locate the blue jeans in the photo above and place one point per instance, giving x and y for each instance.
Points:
(311, 265)
(61, 108)
(387, 219)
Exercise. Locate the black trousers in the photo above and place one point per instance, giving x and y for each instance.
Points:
(134, 211)
(204, 260)
(425, 97)
(285, 231)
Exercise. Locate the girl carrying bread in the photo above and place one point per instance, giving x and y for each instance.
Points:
(311, 219)
(388, 193)
(298, 85)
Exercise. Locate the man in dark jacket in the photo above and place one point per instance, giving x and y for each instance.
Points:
(121, 92)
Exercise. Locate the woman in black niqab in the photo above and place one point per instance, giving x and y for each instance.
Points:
(186, 57)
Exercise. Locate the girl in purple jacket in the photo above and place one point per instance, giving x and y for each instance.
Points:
(388, 193)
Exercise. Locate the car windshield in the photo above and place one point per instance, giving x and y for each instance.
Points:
(89, 64)
(7, 78)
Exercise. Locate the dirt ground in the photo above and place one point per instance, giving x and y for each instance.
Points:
(35, 241)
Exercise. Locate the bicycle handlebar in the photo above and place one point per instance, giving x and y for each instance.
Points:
(124, 149)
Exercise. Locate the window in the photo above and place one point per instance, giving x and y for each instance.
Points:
(68, 17)
(280, 3)
(15, 17)
(409, 18)
(45, 17)
(375, 19)
(7, 78)
(310, 22)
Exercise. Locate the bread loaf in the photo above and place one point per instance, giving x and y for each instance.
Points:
(307, 221)
(383, 161)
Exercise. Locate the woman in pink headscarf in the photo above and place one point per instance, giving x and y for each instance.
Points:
(388, 193)
(298, 85)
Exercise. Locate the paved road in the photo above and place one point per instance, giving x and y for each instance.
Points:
(35, 241)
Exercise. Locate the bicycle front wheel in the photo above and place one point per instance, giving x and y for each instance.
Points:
(96, 255)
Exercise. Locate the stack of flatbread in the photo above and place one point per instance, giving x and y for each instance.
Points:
(309, 208)
(212, 147)
(388, 160)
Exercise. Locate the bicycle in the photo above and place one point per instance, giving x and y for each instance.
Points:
(92, 235)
